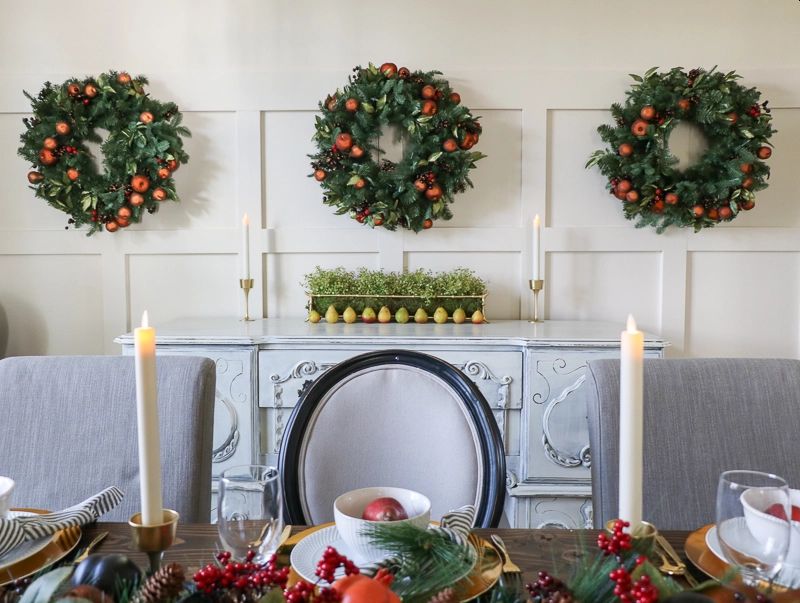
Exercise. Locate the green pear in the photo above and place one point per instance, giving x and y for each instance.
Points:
(349, 315)
(421, 316)
(368, 315)
(477, 317)
(314, 316)
(401, 316)
(440, 316)
(385, 315)
(331, 315)
(459, 316)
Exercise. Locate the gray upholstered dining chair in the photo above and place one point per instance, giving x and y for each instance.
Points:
(701, 417)
(393, 418)
(68, 430)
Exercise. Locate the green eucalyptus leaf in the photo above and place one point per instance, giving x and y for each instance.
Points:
(45, 587)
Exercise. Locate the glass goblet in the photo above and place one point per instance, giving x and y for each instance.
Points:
(753, 540)
(250, 510)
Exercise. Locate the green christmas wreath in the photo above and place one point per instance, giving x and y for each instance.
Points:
(437, 157)
(641, 170)
(142, 150)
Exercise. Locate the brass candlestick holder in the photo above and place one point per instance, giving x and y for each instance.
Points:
(246, 284)
(155, 539)
(643, 536)
(536, 286)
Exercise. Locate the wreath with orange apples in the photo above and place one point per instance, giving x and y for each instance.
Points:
(143, 148)
(440, 133)
(642, 172)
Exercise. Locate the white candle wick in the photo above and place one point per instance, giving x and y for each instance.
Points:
(631, 324)
(145, 321)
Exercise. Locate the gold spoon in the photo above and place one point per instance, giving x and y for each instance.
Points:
(97, 540)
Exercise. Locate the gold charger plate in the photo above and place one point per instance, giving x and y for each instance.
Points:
(62, 543)
(704, 559)
(483, 576)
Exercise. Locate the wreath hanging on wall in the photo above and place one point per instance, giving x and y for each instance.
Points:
(641, 170)
(143, 148)
(437, 157)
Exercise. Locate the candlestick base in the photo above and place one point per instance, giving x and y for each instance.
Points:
(246, 284)
(536, 286)
(154, 539)
(643, 535)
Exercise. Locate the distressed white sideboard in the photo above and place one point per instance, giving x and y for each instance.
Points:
(531, 374)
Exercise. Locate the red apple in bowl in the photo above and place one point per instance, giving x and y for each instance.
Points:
(778, 511)
(385, 508)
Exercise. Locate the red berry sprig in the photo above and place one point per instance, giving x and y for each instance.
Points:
(619, 540)
(330, 562)
(246, 577)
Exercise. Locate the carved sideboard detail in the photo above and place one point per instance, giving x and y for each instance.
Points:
(478, 371)
(559, 457)
(228, 447)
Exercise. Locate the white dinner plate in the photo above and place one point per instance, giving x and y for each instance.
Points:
(25, 549)
(789, 576)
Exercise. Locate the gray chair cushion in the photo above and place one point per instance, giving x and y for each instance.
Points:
(701, 417)
(68, 430)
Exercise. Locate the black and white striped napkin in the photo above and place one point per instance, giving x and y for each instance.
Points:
(17, 530)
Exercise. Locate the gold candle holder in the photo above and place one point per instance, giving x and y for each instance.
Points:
(246, 284)
(155, 539)
(643, 535)
(536, 286)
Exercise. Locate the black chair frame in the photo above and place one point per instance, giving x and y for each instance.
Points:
(490, 503)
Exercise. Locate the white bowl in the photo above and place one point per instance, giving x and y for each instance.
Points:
(6, 488)
(762, 525)
(348, 508)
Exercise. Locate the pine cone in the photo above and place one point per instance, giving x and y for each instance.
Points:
(448, 595)
(165, 585)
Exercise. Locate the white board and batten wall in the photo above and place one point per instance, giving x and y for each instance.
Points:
(248, 75)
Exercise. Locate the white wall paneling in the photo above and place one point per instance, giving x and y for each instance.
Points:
(248, 77)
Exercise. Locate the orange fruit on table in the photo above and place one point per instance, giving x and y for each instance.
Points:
(671, 198)
(428, 91)
(764, 153)
(140, 183)
(50, 143)
(648, 112)
(63, 128)
(625, 149)
(343, 141)
(639, 127)
(632, 196)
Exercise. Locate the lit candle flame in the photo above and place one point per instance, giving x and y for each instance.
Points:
(246, 220)
(145, 321)
(536, 221)
(631, 324)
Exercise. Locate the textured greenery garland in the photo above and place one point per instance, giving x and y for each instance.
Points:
(437, 158)
(641, 169)
(143, 148)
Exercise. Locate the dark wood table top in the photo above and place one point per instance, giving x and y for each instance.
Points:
(553, 550)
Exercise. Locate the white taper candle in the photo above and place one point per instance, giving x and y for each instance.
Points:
(537, 226)
(631, 416)
(246, 245)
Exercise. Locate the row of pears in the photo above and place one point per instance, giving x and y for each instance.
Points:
(402, 316)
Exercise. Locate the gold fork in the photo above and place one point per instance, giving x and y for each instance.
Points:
(89, 547)
(675, 565)
(509, 567)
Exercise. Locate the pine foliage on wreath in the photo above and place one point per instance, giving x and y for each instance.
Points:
(437, 156)
(642, 171)
(143, 148)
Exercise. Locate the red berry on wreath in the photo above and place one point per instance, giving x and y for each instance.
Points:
(85, 101)
(747, 205)
(136, 199)
(112, 226)
(713, 214)
(320, 175)
(140, 183)
(351, 105)
(455, 98)
(434, 193)
(625, 149)
(377, 220)
(403, 73)
(356, 152)
(90, 90)
(146, 117)
(360, 183)
(389, 69)
(73, 89)
(725, 212)
(671, 198)
(732, 117)
(35, 177)
(163, 173)
(624, 186)
(159, 194)
(63, 128)
(428, 91)
(50, 143)
(746, 168)
(684, 104)
(123, 78)
(648, 112)
(173, 165)
(344, 141)
(420, 185)
(658, 206)
(698, 211)
(429, 107)
(124, 213)
(427, 224)
(632, 196)
(450, 145)
(46, 157)
(764, 153)
(639, 127)
(73, 174)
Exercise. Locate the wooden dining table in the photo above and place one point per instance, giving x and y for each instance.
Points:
(552, 550)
